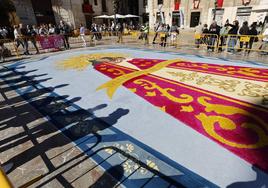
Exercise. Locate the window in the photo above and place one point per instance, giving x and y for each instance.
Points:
(243, 14)
(160, 2)
(103, 4)
(145, 3)
(95, 2)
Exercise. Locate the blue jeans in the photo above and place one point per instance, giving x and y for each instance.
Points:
(231, 44)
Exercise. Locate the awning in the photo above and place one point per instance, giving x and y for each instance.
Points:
(102, 16)
(117, 16)
(131, 16)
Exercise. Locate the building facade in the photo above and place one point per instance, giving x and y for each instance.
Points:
(188, 13)
(73, 12)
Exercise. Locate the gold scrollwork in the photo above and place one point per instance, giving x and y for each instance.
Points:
(250, 72)
(208, 122)
(114, 71)
(148, 85)
(184, 76)
(227, 85)
(255, 90)
(246, 71)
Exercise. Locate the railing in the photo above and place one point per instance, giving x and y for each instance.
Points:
(211, 42)
(248, 43)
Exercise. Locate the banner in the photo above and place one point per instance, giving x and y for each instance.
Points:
(220, 3)
(55, 41)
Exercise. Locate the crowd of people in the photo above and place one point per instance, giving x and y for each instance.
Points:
(232, 35)
(229, 35)
(23, 34)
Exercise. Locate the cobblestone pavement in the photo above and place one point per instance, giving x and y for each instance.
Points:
(33, 149)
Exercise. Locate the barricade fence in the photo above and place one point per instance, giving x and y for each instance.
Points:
(212, 42)
(246, 43)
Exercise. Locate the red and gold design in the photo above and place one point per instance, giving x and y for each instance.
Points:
(239, 126)
(225, 70)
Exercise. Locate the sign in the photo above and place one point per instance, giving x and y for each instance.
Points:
(197, 36)
(162, 35)
(219, 3)
(244, 39)
(55, 41)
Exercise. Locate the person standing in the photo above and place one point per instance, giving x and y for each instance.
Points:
(223, 35)
(42, 30)
(32, 36)
(18, 36)
(145, 35)
(51, 29)
(253, 36)
(119, 29)
(65, 31)
(233, 36)
(174, 32)
(25, 37)
(198, 33)
(243, 31)
(264, 46)
(214, 31)
(157, 28)
(163, 35)
(82, 34)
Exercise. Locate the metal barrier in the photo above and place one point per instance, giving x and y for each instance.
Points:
(208, 41)
(183, 40)
(247, 43)
(8, 48)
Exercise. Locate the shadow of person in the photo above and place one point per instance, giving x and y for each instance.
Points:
(95, 125)
(58, 140)
(117, 172)
(260, 182)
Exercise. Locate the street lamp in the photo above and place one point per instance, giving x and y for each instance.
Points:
(214, 10)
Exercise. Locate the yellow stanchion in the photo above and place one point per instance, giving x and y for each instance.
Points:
(4, 181)
(197, 36)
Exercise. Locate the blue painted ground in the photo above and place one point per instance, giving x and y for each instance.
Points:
(152, 148)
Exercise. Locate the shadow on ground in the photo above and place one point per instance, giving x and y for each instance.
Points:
(74, 123)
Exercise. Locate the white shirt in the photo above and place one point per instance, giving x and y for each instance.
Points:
(265, 34)
(51, 30)
(82, 30)
(17, 33)
(3, 32)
